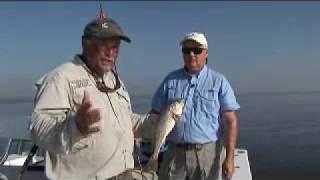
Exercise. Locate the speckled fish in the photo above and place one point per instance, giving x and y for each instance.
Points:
(167, 121)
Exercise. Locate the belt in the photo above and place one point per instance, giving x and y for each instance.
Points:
(189, 146)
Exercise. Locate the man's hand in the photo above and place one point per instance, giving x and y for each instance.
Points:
(86, 116)
(227, 168)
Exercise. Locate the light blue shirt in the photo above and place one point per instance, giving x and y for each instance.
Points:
(206, 96)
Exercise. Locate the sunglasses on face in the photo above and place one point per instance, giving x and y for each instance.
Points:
(195, 51)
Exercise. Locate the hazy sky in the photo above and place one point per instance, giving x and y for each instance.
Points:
(259, 46)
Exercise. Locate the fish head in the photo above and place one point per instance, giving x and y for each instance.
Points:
(176, 108)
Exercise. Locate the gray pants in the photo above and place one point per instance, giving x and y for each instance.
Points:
(199, 163)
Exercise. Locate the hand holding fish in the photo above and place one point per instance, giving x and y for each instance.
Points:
(86, 116)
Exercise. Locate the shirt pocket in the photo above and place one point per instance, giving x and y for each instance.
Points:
(208, 101)
(207, 108)
(174, 93)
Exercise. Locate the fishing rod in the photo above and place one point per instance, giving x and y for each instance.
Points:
(102, 15)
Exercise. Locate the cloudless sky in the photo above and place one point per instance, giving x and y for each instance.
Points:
(259, 46)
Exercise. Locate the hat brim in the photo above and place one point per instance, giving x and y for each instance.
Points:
(111, 34)
(121, 36)
(125, 38)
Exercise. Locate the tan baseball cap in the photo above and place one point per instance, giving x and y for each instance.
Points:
(197, 37)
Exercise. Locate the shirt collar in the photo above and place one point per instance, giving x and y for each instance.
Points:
(107, 77)
(198, 75)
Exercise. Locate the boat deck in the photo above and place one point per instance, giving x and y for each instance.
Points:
(13, 165)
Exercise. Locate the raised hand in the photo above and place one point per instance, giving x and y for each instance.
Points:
(86, 116)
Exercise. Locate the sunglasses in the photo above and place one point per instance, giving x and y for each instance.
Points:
(195, 51)
(100, 83)
(102, 86)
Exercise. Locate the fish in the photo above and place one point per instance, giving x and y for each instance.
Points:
(166, 122)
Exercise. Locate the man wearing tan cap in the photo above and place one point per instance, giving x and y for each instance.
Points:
(82, 115)
(209, 122)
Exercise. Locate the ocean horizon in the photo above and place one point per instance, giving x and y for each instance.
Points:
(280, 131)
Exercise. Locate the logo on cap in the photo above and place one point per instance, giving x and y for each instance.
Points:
(105, 25)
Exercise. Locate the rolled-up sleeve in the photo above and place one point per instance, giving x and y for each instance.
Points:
(227, 98)
(53, 127)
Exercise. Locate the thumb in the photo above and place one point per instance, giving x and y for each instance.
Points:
(86, 97)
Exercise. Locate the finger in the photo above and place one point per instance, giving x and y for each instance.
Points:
(82, 128)
(94, 116)
(96, 113)
(86, 106)
(226, 174)
(86, 97)
(86, 101)
(93, 130)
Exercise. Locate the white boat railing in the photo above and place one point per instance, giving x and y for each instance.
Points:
(16, 153)
(6, 152)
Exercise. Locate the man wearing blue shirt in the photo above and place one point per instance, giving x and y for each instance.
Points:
(202, 143)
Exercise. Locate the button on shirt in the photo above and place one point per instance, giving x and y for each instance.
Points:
(206, 96)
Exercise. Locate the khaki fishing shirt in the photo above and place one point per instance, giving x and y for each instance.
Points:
(70, 155)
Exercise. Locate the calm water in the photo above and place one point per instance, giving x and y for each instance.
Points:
(280, 131)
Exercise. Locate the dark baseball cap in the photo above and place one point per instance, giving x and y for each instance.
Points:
(104, 28)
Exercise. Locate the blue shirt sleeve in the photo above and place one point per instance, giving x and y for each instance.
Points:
(159, 99)
(226, 97)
